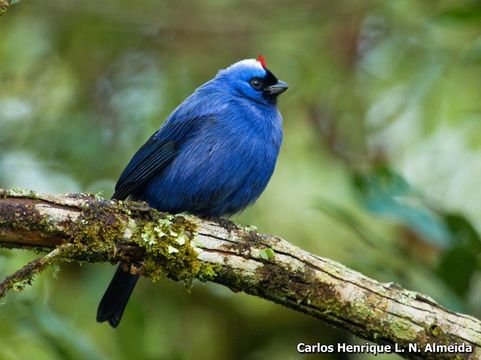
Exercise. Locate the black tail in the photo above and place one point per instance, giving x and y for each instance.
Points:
(115, 299)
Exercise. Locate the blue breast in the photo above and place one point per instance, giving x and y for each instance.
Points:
(223, 166)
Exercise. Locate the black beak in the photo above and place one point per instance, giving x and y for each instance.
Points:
(277, 88)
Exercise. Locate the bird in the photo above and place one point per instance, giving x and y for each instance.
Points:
(212, 157)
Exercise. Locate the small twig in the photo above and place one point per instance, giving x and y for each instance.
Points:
(24, 276)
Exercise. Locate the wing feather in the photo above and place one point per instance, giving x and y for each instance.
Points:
(155, 155)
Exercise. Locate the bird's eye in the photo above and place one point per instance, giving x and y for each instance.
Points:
(256, 83)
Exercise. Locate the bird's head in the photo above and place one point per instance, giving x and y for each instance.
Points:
(252, 79)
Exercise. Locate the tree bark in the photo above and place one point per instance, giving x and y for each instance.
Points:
(85, 228)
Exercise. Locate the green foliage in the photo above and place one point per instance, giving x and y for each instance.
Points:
(461, 261)
(387, 194)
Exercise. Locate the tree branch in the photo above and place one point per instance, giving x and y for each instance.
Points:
(85, 228)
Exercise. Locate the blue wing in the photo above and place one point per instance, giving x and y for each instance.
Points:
(155, 155)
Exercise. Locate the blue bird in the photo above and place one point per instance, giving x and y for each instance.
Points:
(212, 157)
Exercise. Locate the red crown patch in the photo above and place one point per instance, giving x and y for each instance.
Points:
(261, 59)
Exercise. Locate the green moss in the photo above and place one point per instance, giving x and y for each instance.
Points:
(25, 275)
(267, 254)
(15, 192)
(286, 284)
(23, 217)
(167, 249)
(166, 240)
(249, 228)
(434, 330)
(402, 330)
(21, 284)
(234, 281)
(294, 287)
(208, 272)
(157, 245)
(98, 228)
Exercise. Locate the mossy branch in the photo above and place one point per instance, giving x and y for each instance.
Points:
(83, 227)
(22, 277)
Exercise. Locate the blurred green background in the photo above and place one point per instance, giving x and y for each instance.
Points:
(380, 166)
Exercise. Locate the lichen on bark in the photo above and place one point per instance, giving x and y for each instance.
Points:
(104, 231)
(182, 247)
